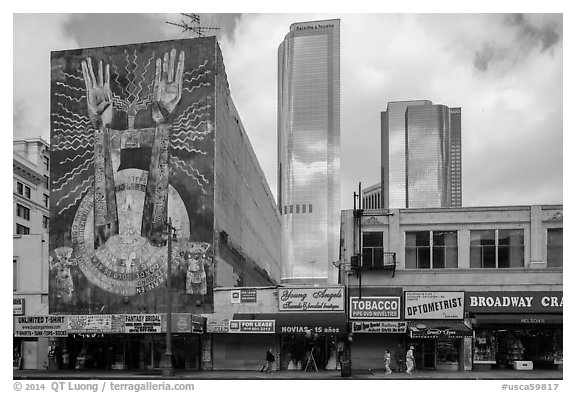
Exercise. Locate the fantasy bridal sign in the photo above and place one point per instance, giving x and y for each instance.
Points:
(311, 299)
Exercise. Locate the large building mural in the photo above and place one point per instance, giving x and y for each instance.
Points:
(132, 139)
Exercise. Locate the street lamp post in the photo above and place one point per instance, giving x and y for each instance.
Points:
(168, 370)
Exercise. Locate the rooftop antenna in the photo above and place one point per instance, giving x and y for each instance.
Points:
(193, 25)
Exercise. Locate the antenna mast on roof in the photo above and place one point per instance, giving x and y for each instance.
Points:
(193, 25)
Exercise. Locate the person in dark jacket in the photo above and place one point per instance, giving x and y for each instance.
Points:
(269, 361)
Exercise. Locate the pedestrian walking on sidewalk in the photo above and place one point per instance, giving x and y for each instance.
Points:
(410, 360)
(387, 359)
(269, 361)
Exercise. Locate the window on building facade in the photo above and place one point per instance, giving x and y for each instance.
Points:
(309, 208)
(46, 182)
(503, 248)
(46, 163)
(431, 249)
(372, 249)
(23, 190)
(22, 212)
(22, 230)
(303, 208)
(45, 222)
(291, 209)
(297, 208)
(46, 200)
(554, 247)
(14, 274)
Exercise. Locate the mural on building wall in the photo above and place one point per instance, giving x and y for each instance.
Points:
(132, 130)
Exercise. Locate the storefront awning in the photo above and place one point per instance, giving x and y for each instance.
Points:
(517, 319)
(294, 323)
(438, 329)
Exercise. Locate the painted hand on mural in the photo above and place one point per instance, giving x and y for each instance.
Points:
(98, 93)
(167, 86)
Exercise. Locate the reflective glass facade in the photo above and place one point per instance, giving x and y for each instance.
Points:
(421, 155)
(309, 150)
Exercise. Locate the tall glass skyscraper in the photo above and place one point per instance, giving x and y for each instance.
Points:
(421, 155)
(309, 151)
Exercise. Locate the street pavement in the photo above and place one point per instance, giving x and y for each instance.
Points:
(499, 374)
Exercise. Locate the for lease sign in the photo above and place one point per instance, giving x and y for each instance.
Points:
(375, 307)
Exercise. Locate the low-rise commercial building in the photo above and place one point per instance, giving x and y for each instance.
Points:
(468, 287)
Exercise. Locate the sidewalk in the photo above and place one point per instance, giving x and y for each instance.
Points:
(296, 375)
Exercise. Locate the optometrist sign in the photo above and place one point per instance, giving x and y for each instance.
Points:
(375, 307)
(434, 305)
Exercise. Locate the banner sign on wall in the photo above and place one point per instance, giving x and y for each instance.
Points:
(251, 326)
(19, 303)
(90, 323)
(434, 305)
(243, 296)
(517, 301)
(143, 323)
(312, 299)
(378, 327)
(217, 325)
(375, 307)
(41, 326)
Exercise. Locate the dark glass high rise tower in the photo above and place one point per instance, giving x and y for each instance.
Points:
(309, 150)
(421, 155)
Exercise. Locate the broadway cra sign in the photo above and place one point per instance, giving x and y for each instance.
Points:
(517, 301)
(313, 299)
(375, 307)
(434, 305)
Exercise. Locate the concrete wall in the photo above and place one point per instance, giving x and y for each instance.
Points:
(31, 253)
(249, 251)
(266, 302)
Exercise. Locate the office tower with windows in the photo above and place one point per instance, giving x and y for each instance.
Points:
(309, 151)
(421, 155)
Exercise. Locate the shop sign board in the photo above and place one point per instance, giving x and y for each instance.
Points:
(311, 299)
(144, 323)
(379, 327)
(375, 307)
(19, 303)
(41, 326)
(238, 296)
(251, 326)
(90, 323)
(515, 302)
(217, 326)
(181, 323)
(295, 329)
(434, 305)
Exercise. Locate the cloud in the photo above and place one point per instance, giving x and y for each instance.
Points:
(35, 36)
(504, 70)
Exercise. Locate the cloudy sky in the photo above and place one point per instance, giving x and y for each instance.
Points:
(504, 70)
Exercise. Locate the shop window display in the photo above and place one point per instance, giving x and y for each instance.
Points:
(485, 347)
(542, 346)
(447, 355)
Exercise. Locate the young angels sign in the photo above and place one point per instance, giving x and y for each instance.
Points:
(311, 299)
(434, 305)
